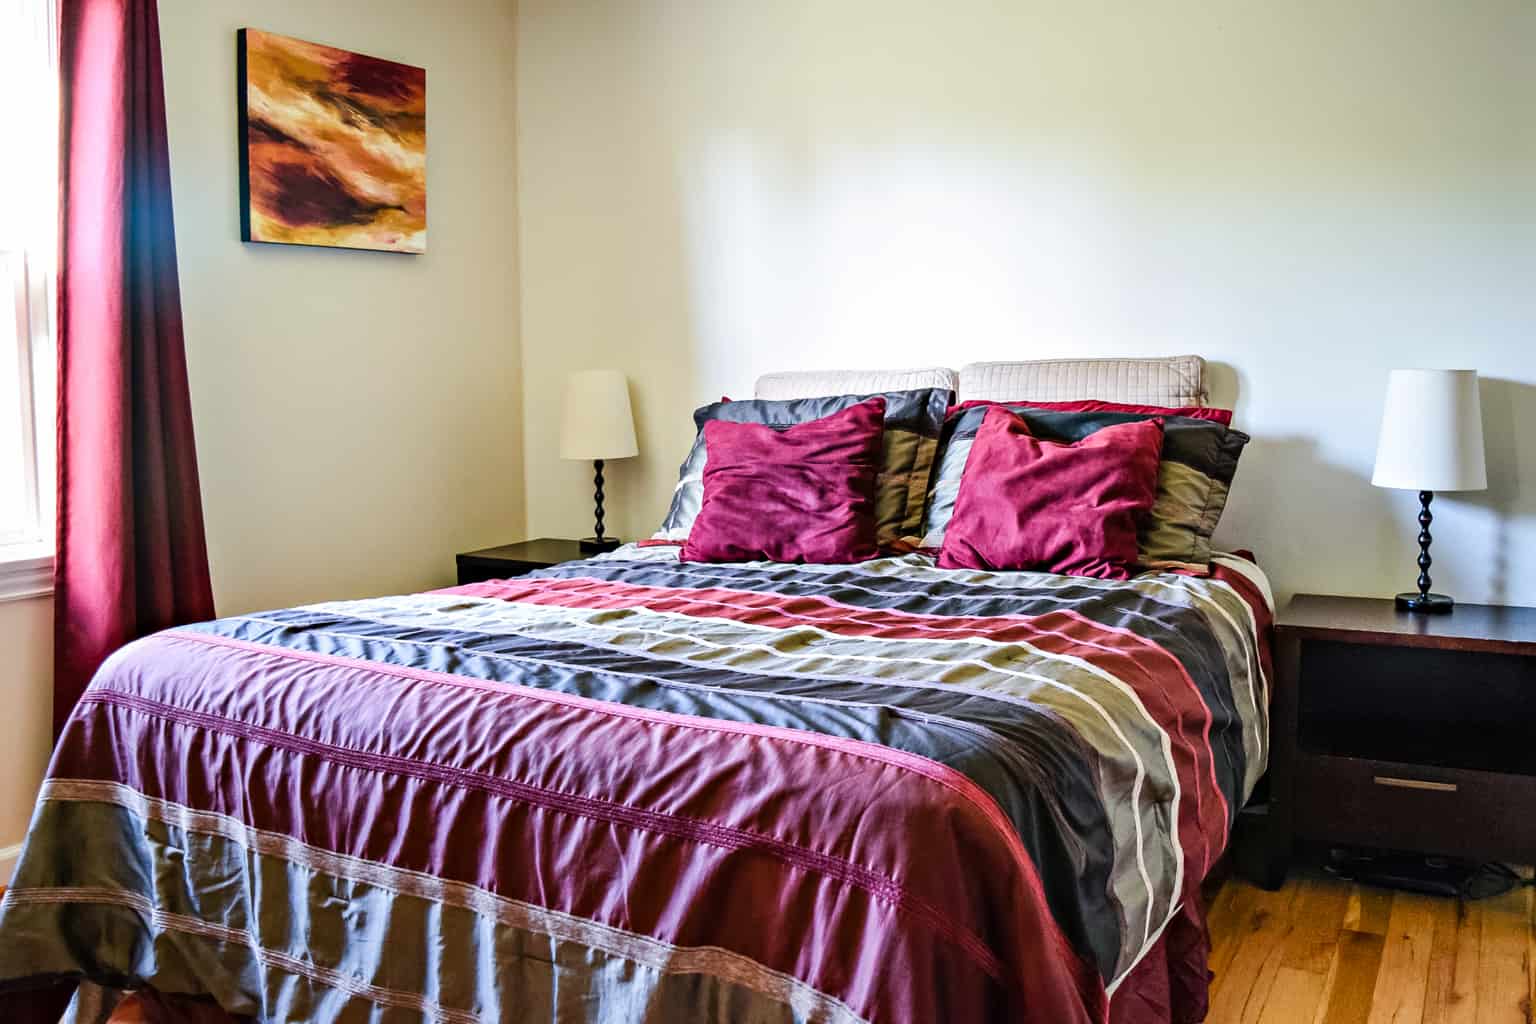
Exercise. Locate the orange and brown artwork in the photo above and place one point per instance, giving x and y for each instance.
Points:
(333, 146)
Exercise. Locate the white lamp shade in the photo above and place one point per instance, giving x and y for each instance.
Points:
(1431, 432)
(597, 422)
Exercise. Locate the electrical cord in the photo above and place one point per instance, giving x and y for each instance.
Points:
(1492, 878)
(1479, 881)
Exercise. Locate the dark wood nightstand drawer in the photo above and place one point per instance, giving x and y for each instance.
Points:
(1393, 805)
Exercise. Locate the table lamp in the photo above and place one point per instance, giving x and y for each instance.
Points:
(1431, 440)
(597, 424)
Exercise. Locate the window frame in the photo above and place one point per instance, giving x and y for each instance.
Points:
(26, 559)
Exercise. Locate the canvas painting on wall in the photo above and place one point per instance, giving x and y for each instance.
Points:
(333, 146)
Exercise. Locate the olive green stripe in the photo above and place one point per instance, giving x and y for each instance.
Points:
(214, 877)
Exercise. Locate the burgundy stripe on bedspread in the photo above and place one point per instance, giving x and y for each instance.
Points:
(655, 791)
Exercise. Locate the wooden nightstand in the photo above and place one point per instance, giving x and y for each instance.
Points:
(1403, 732)
(516, 559)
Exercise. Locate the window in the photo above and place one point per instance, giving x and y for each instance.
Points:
(28, 246)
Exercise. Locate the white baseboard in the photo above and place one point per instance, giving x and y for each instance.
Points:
(8, 857)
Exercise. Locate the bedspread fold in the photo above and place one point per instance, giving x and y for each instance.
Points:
(634, 789)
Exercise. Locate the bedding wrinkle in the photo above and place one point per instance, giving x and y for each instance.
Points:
(698, 829)
(653, 790)
(898, 625)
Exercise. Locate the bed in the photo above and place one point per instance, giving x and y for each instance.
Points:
(639, 789)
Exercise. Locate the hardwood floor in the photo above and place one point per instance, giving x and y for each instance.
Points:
(1323, 951)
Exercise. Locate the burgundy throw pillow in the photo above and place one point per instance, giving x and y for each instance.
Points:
(1073, 509)
(1193, 412)
(804, 493)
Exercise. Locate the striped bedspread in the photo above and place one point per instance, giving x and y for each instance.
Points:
(633, 789)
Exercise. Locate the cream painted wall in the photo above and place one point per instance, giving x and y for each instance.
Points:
(26, 677)
(1307, 194)
(357, 414)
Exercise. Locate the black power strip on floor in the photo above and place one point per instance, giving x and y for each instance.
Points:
(1436, 876)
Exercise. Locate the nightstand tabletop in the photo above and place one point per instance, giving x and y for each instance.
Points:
(1371, 620)
(549, 550)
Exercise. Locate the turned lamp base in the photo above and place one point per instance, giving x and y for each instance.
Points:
(598, 543)
(1424, 604)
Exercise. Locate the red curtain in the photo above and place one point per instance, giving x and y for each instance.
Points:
(132, 557)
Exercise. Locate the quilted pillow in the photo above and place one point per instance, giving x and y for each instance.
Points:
(1194, 478)
(1064, 508)
(913, 421)
(802, 494)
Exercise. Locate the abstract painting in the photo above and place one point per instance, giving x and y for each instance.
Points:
(333, 146)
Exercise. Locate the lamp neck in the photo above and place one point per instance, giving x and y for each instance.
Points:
(1426, 517)
(597, 497)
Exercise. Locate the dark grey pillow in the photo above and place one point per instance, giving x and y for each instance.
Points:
(913, 422)
(1194, 477)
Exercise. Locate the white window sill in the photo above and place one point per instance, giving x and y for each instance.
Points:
(23, 576)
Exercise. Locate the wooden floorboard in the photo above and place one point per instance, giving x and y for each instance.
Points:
(1325, 951)
(1322, 951)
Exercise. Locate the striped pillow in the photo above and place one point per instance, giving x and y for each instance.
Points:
(1193, 480)
(913, 422)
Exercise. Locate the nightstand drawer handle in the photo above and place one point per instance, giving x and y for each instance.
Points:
(1433, 787)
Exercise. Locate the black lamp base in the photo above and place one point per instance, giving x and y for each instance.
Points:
(598, 543)
(1424, 604)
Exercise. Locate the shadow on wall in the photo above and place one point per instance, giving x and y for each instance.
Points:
(1329, 531)
(1224, 384)
(646, 325)
(1509, 437)
(658, 419)
(1322, 520)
